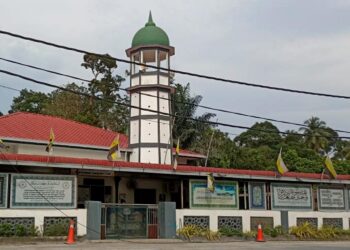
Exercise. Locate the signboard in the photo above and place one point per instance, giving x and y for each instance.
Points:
(3, 190)
(224, 196)
(287, 196)
(43, 191)
(257, 196)
(331, 198)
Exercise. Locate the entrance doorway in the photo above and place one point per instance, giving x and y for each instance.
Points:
(145, 196)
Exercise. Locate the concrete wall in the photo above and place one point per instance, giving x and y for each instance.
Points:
(213, 216)
(292, 216)
(247, 214)
(39, 215)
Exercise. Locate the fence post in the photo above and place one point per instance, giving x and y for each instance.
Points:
(93, 230)
(167, 220)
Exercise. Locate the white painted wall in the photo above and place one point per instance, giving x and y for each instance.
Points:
(149, 102)
(134, 132)
(164, 131)
(319, 215)
(39, 215)
(135, 101)
(164, 80)
(31, 149)
(214, 213)
(148, 79)
(149, 155)
(163, 103)
(165, 155)
(135, 80)
(149, 130)
(246, 214)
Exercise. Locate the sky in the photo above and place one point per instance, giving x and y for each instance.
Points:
(293, 44)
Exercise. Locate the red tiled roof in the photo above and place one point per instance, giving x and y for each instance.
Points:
(184, 152)
(182, 168)
(31, 126)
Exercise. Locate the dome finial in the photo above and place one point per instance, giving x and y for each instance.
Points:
(150, 20)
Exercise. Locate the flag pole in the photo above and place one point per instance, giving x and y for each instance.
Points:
(211, 139)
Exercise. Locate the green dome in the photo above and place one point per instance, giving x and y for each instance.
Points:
(150, 35)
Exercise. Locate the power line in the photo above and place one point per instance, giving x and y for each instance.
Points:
(7, 87)
(158, 112)
(158, 97)
(174, 70)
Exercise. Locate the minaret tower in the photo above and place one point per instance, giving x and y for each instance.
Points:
(150, 130)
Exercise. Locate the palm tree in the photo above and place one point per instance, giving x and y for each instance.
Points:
(315, 134)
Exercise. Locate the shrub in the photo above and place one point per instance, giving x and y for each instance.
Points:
(6, 230)
(191, 231)
(227, 231)
(56, 230)
(249, 234)
(305, 231)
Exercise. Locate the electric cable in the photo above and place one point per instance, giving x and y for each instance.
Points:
(173, 70)
(158, 112)
(164, 98)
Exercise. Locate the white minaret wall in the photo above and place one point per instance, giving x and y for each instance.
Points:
(150, 115)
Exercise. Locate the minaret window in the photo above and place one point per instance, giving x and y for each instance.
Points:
(149, 57)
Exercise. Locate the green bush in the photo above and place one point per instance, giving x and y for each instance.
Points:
(190, 231)
(249, 234)
(227, 231)
(56, 230)
(20, 230)
(6, 230)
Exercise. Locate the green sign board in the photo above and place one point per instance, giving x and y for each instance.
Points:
(288, 196)
(331, 198)
(43, 191)
(224, 196)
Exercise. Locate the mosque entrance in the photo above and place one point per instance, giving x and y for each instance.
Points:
(120, 221)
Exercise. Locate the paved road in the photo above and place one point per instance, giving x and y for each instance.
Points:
(174, 245)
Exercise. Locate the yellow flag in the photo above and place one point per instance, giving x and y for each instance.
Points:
(3, 145)
(177, 152)
(330, 168)
(281, 167)
(114, 152)
(49, 147)
(178, 147)
(211, 183)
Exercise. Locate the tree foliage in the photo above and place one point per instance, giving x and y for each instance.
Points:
(187, 130)
(110, 113)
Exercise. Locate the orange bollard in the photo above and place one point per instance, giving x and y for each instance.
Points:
(70, 238)
(260, 235)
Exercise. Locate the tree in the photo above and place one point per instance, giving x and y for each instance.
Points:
(29, 101)
(185, 107)
(112, 111)
(260, 134)
(315, 134)
(69, 105)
